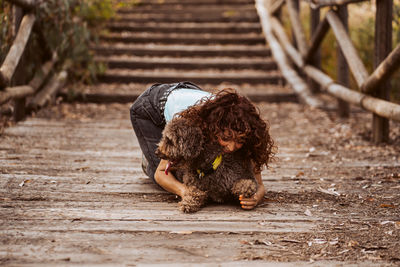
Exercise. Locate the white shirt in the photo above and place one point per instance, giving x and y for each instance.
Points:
(180, 99)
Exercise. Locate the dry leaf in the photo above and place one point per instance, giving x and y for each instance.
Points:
(308, 212)
(330, 191)
(24, 182)
(387, 206)
(181, 232)
(353, 243)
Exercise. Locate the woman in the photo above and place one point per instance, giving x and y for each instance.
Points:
(225, 118)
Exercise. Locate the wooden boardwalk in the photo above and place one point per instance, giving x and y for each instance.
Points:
(73, 193)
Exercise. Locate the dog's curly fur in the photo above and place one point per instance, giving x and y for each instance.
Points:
(183, 144)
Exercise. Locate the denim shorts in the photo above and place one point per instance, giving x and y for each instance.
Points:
(148, 122)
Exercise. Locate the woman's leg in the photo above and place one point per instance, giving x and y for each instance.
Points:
(148, 124)
(148, 135)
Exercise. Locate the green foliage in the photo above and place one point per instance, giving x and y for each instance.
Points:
(69, 27)
(396, 41)
(396, 23)
(5, 29)
(95, 11)
(131, 3)
(363, 40)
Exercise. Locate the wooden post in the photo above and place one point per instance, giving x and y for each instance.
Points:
(383, 46)
(316, 58)
(296, 5)
(342, 67)
(19, 103)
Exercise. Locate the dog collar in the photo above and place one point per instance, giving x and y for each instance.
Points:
(217, 161)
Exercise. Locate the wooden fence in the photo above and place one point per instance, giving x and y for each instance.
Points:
(42, 87)
(373, 89)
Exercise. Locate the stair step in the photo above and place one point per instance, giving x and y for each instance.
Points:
(183, 38)
(187, 63)
(212, 43)
(193, 2)
(179, 9)
(184, 50)
(185, 27)
(187, 18)
(109, 97)
(128, 92)
(138, 88)
(170, 76)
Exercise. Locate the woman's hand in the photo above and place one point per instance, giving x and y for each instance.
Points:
(168, 181)
(251, 202)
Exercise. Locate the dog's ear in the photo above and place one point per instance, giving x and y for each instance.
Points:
(181, 139)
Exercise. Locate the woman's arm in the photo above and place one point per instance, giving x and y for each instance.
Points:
(251, 202)
(168, 181)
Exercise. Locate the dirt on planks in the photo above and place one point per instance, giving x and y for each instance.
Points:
(353, 180)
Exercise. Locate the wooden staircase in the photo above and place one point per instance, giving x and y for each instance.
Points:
(215, 44)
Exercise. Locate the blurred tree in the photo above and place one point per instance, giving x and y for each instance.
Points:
(69, 27)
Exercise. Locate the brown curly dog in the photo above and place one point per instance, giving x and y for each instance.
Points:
(203, 168)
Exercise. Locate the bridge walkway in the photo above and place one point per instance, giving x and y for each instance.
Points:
(72, 191)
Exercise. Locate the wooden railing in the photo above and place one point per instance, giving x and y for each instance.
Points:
(42, 88)
(373, 90)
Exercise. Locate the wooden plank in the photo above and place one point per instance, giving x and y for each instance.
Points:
(276, 6)
(323, 3)
(290, 75)
(183, 51)
(48, 93)
(317, 38)
(188, 63)
(298, 30)
(356, 66)
(34, 84)
(14, 55)
(383, 108)
(15, 93)
(184, 10)
(93, 187)
(295, 56)
(128, 76)
(140, 212)
(184, 38)
(189, 18)
(160, 226)
(207, 27)
(121, 249)
(382, 72)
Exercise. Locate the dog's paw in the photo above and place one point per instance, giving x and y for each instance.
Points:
(244, 187)
(193, 200)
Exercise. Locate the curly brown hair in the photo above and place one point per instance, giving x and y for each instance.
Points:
(231, 116)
